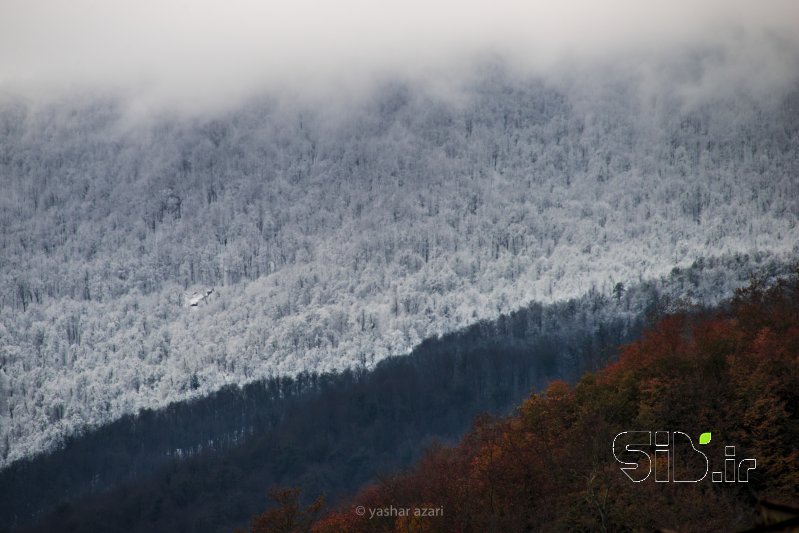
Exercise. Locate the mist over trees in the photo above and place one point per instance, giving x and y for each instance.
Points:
(336, 238)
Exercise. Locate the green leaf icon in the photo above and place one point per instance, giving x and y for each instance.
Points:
(704, 438)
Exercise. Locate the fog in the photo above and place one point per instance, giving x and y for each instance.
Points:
(208, 53)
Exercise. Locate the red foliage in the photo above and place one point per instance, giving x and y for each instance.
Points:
(549, 467)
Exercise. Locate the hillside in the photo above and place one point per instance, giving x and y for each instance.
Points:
(733, 373)
(288, 430)
(336, 237)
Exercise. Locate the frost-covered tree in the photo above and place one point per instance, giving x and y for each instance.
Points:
(333, 240)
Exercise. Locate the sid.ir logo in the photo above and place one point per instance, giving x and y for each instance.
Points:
(630, 449)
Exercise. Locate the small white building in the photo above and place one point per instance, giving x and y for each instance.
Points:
(196, 297)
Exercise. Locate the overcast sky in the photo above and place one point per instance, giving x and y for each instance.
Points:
(221, 48)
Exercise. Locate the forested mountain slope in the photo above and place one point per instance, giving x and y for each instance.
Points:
(732, 372)
(175, 468)
(337, 237)
(206, 464)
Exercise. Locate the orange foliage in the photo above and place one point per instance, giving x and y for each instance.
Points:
(550, 467)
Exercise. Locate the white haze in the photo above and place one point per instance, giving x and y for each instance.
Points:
(204, 53)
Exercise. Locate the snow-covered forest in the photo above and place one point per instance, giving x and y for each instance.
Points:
(334, 238)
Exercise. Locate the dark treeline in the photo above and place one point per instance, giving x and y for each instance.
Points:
(207, 464)
(555, 465)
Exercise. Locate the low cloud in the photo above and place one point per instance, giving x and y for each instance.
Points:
(208, 53)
